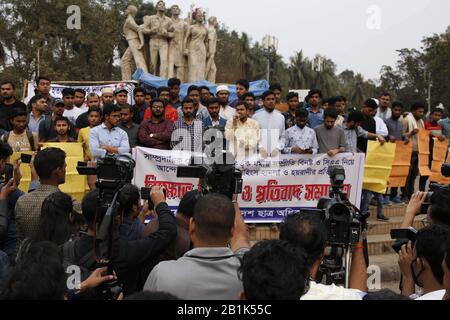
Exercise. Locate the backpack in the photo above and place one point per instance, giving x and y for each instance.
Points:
(30, 137)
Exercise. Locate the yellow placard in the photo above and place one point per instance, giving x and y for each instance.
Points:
(75, 184)
(378, 166)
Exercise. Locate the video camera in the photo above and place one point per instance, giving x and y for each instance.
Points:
(113, 172)
(218, 174)
(344, 225)
(445, 171)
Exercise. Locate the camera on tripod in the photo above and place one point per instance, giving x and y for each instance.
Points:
(218, 174)
(113, 172)
(344, 225)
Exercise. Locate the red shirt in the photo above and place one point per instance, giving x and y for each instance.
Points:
(171, 114)
(432, 126)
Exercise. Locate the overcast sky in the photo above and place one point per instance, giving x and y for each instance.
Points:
(335, 28)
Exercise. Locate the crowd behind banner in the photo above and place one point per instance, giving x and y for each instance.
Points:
(263, 126)
(284, 150)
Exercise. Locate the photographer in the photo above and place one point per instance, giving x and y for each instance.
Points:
(438, 212)
(132, 228)
(308, 232)
(185, 212)
(209, 271)
(134, 257)
(421, 263)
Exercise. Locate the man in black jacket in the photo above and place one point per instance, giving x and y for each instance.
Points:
(134, 257)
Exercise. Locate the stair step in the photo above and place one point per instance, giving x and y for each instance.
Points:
(380, 244)
(393, 211)
(379, 227)
(388, 264)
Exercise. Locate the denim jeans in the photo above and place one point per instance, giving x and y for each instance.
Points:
(365, 202)
(4, 264)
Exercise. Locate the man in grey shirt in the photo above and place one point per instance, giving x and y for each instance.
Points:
(210, 270)
(127, 125)
(353, 131)
(331, 139)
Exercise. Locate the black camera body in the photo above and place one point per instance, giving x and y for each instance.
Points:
(402, 237)
(341, 217)
(343, 223)
(218, 175)
(445, 171)
(113, 172)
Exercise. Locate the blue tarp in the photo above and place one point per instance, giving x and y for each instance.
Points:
(256, 87)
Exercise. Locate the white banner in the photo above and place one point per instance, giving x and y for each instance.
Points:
(56, 90)
(271, 188)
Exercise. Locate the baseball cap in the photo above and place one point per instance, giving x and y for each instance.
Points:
(119, 90)
(222, 88)
(58, 101)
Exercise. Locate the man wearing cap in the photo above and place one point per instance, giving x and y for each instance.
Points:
(47, 127)
(223, 94)
(121, 96)
(72, 112)
(107, 96)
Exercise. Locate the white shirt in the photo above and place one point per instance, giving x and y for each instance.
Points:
(227, 113)
(73, 114)
(384, 115)
(382, 129)
(304, 139)
(322, 292)
(435, 295)
(272, 126)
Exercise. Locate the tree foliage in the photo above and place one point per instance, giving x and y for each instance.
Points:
(32, 28)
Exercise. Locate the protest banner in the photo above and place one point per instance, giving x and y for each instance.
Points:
(440, 151)
(401, 165)
(75, 184)
(378, 166)
(271, 188)
(90, 87)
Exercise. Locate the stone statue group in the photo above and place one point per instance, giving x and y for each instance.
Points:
(176, 48)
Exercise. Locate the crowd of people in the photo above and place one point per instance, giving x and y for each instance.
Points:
(204, 251)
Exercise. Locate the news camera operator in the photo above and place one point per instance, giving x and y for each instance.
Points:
(308, 232)
(134, 257)
(438, 211)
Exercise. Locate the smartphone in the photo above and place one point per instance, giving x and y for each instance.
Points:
(26, 158)
(8, 173)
